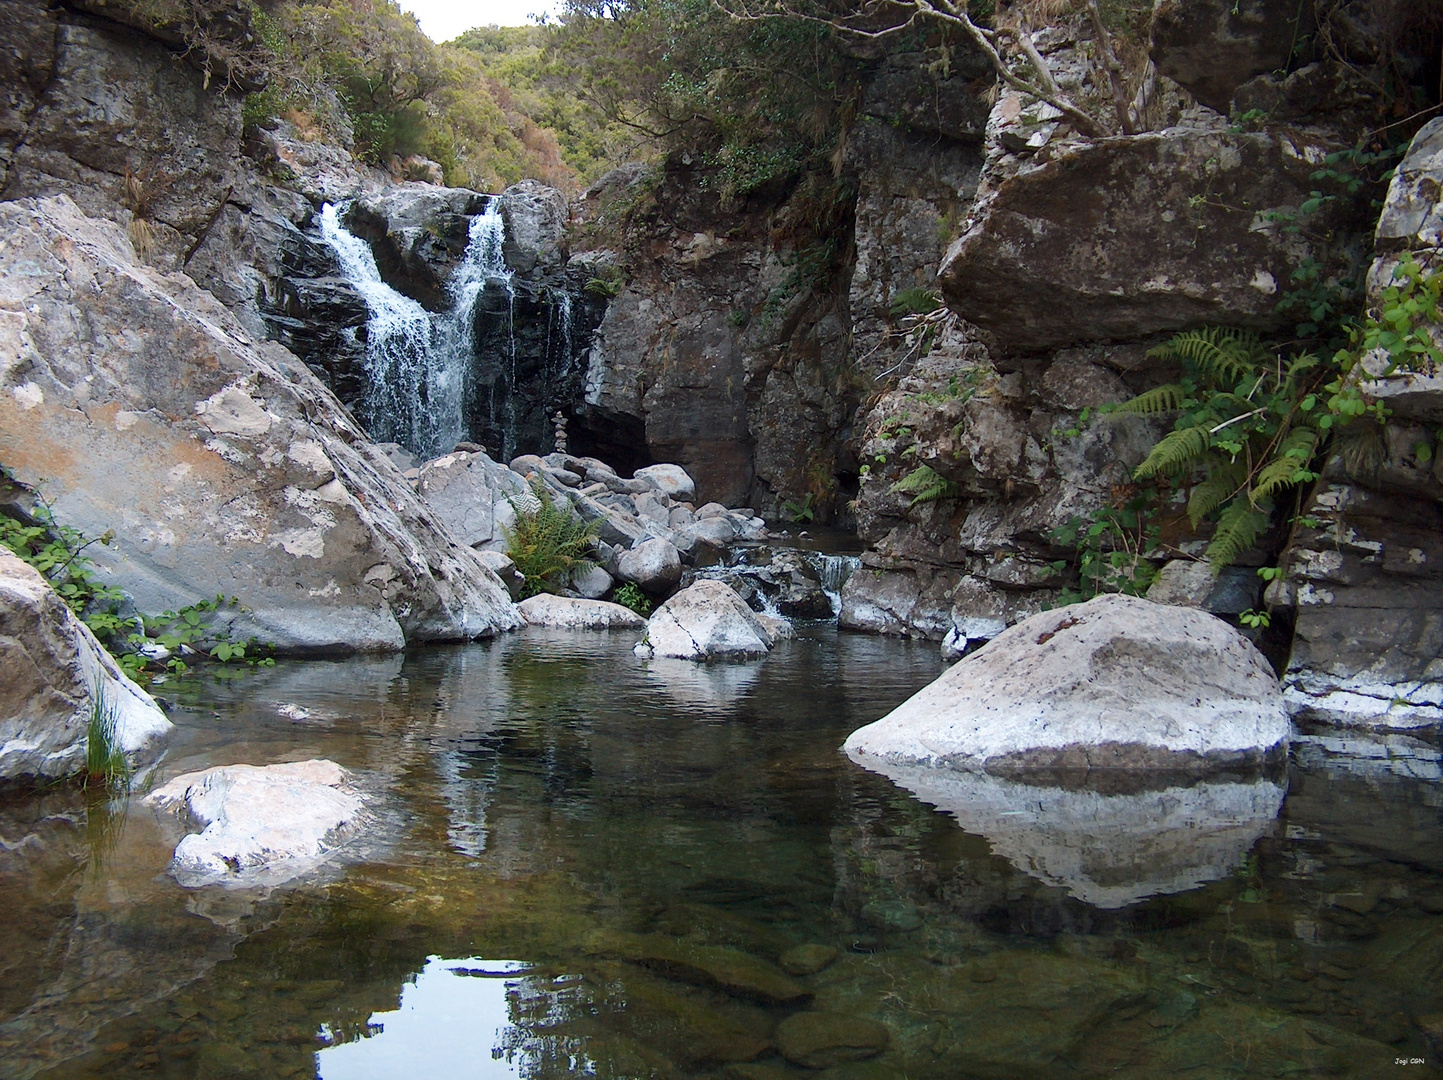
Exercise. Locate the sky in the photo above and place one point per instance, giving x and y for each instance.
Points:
(444, 19)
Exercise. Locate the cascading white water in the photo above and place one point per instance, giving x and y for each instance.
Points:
(417, 361)
(833, 571)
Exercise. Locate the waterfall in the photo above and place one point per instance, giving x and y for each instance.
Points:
(417, 362)
(834, 570)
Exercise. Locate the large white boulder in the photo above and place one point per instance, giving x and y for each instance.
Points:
(669, 479)
(655, 565)
(51, 670)
(1117, 682)
(576, 613)
(705, 621)
(263, 825)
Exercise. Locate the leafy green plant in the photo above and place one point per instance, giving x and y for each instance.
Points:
(631, 596)
(797, 512)
(58, 552)
(925, 484)
(548, 543)
(1111, 550)
(105, 761)
(915, 301)
(1248, 429)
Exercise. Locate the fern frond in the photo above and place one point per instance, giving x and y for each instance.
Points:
(1239, 528)
(925, 484)
(1296, 369)
(1162, 399)
(1294, 453)
(1174, 452)
(1226, 355)
(1222, 483)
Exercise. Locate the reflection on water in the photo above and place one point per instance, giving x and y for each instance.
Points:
(691, 882)
(1109, 850)
(452, 1020)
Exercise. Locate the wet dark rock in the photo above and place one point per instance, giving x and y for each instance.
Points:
(418, 233)
(1212, 47)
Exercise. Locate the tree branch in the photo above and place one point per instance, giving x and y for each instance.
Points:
(1113, 67)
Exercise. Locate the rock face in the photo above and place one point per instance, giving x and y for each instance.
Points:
(1032, 271)
(137, 403)
(576, 613)
(1211, 47)
(706, 621)
(263, 826)
(54, 670)
(418, 233)
(469, 493)
(1117, 682)
(1367, 582)
(981, 555)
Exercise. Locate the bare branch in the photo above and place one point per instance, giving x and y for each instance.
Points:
(1114, 68)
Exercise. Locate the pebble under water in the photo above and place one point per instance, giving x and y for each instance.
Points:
(585, 864)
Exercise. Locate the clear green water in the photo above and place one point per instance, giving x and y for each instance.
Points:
(582, 864)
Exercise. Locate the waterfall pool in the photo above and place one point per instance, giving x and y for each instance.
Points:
(580, 863)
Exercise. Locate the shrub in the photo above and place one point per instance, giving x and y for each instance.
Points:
(548, 543)
(631, 596)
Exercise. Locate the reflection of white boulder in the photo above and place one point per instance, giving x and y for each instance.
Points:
(707, 687)
(1106, 850)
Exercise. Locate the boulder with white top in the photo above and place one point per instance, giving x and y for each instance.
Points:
(706, 621)
(577, 613)
(262, 825)
(51, 672)
(654, 565)
(1117, 682)
(669, 479)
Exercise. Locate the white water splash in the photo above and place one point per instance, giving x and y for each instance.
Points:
(417, 362)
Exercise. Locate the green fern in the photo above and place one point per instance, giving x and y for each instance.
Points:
(1220, 484)
(1240, 526)
(1175, 452)
(549, 543)
(925, 484)
(1225, 355)
(1289, 467)
(1162, 399)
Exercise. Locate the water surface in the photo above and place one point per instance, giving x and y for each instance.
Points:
(585, 864)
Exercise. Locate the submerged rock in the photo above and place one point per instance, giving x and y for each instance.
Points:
(1117, 682)
(220, 463)
(816, 1040)
(577, 613)
(263, 825)
(55, 675)
(726, 968)
(704, 621)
